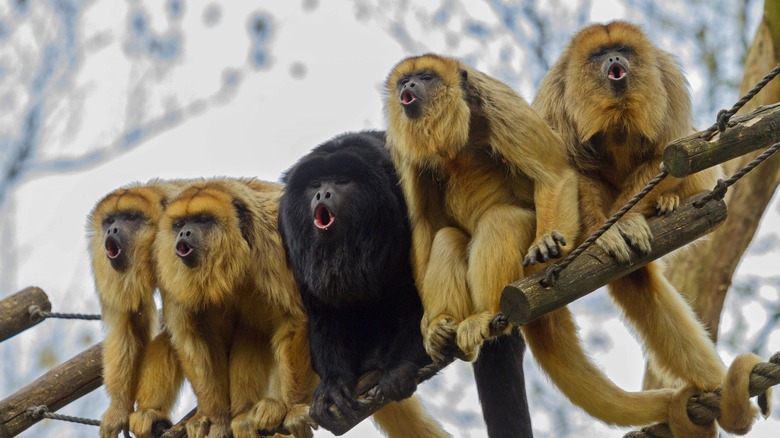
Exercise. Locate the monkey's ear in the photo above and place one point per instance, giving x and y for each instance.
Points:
(464, 76)
(244, 220)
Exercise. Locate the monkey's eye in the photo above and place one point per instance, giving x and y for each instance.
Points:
(426, 77)
(315, 184)
(624, 50)
(109, 220)
(598, 54)
(403, 82)
(178, 225)
(342, 180)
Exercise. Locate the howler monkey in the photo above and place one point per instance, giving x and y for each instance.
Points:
(121, 229)
(230, 304)
(489, 189)
(343, 223)
(617, 101)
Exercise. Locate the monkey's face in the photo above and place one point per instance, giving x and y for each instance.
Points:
(192, 233)
(120, 230)
(328, 199)
(613, 65)
(414, 90)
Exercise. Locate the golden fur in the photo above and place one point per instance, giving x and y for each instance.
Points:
(482, 193)
(126, 293)
(616, 141)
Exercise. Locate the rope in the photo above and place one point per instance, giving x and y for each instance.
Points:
(553, 271)
(38, 412)
(36, 314)
(719, 191)
(705, 408)
(724, 116)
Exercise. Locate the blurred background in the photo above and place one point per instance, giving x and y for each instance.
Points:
(98, 94)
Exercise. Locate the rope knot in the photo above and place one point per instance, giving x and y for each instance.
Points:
(35, 313)
(551, 275)
(723, 119)
(36, 412)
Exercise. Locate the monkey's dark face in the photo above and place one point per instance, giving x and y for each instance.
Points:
(328, 197)
(120, 229)
(191, 236)
(614, 66)
(414, 89)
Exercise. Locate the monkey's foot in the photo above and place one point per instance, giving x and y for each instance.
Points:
(400, 381)
(114, 421)
(298, 422)
(201, 426)
(267, 414)
(439, 338)
(472, 332)
(667, 203)
(546, 247)
(145, 423)
(629, 232)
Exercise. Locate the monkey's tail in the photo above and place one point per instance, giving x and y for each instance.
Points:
(501, 387)
(556, 346)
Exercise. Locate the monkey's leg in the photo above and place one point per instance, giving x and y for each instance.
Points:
(495, 259)
(554, 341)
(668, 326)
(160, 379)
(408, 418)
(127, 337)
(445, 296)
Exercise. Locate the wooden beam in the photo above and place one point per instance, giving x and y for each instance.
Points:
(63, 384)
(14, 315)
(756, 130)
(526, 299)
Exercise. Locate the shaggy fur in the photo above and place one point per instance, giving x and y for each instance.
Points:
(354, 276)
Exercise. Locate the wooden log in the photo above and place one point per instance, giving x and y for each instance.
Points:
(756, 130)
(14, 316)
(65, 383)
(526, 299)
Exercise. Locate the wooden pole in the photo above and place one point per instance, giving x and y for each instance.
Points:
(14, 315)
(526, 299)
(746, 133)
(65, 383)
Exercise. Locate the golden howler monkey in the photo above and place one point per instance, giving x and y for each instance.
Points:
(617, 101)
(122, 228)
(489, 188)
(344, 226)
(229, 303)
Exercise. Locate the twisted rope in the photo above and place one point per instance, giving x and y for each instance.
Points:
(39, 412)
(725, 115)
(36, 314)
(719, 191)
(553, 271)
(704, 408)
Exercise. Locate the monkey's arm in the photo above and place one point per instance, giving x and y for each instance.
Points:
(127, 336)
(330, 342)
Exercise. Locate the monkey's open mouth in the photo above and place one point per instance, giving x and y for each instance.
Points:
(113, 248)
(616, 71)
(323, 218)
(407, 98)
(183, 249)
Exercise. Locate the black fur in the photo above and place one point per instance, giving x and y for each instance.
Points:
(354, 277)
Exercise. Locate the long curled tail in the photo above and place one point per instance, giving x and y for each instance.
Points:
(501, 387)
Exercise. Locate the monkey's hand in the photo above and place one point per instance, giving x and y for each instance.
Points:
(439, 338)
(148, 423)
(545, 247)
(399, 382)
(201, 426)
(335, 390)
(472, 333)
(266, 414)
(114, 421)
(298, 421)
(631, 231)
(667, 203)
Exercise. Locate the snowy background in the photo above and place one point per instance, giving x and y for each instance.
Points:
(97, 94)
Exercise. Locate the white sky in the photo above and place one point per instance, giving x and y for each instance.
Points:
(260, 132)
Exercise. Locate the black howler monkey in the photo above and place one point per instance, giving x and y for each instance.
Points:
(344, 224)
